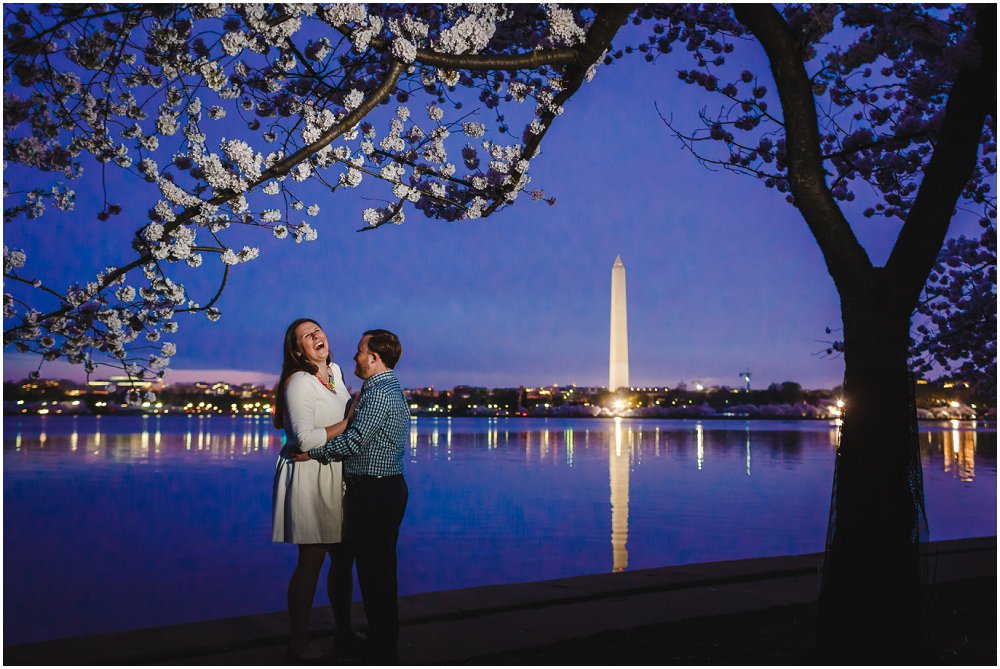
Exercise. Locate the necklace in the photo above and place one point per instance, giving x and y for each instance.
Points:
(329, 383)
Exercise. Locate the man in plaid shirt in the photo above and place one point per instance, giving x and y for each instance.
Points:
(371, 449)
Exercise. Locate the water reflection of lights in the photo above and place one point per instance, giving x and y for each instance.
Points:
(618, 435)
(961, 456)
(748, 449)
(700, 438)
(568, 438)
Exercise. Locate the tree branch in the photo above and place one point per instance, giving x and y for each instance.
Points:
(280, 168)
(606, 25)
(467, 61)
(845, 258)
(948, 170)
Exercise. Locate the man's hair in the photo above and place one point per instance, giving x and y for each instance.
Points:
(386, 345)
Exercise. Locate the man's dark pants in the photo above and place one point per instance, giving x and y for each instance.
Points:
(373, 511)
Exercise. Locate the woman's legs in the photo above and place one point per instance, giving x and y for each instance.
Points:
(301, 591)
(340, 586)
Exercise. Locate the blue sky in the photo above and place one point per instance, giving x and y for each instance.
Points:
(723, 274)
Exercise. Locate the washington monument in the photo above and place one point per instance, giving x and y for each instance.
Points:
(618, 369)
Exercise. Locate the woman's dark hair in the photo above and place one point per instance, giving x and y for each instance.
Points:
(292, 360)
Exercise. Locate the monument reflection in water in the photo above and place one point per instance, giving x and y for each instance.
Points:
(618, 467)
(120, 523)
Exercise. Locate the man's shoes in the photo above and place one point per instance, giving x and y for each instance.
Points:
(380, 655)
(291, 657)
(349, 646)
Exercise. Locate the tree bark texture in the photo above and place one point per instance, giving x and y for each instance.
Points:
(870, 609)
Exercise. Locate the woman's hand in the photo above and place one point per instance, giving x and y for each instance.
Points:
(338, 428)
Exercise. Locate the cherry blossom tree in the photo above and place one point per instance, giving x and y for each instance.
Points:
(892, 107)
(227, 111)
(866, 112)
(957, 315)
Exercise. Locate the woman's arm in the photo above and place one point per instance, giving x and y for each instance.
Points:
(300, 397)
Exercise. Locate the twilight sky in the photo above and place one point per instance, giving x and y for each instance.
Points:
(722, 274)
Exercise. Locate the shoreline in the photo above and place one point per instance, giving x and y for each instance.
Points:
(984, 422)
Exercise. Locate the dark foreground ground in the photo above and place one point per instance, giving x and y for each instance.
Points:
(759, 611)
(961, 629)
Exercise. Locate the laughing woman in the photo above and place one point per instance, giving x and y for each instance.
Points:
(308, 496)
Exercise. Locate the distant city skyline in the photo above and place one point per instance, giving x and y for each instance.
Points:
(64, 371)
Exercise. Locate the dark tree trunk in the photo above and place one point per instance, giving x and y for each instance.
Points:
(869, 602)
(869, 608)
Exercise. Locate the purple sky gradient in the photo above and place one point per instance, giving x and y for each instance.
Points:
(723, 274)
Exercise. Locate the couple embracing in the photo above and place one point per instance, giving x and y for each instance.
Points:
(339, 488)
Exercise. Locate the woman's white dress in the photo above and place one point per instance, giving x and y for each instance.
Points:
(308, 498)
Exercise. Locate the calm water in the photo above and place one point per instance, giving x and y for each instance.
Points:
(128, 522)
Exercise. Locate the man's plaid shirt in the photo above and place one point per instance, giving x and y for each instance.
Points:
(375, 441)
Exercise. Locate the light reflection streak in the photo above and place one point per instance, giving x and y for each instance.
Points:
(961, 456)
(700, 438)
(568, 437)
(748, 449)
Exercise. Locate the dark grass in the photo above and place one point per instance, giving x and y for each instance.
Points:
(960, 629)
